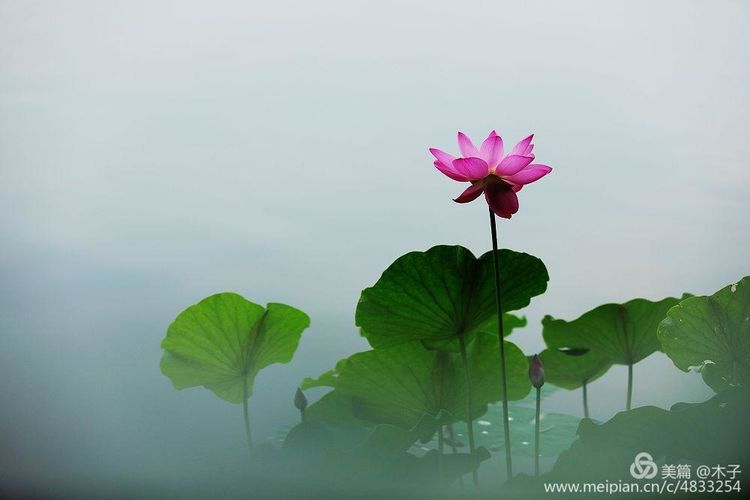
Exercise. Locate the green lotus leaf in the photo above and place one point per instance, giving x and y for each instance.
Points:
(326, 379)
(558, 431)
(570, 369)
(386, 439)
(510, 322)
(712, 432)
(333, 415)
(621, 333)
(320, 434)
(438, 295)
(383, 455)
(222, 342)
(712, 333)
(335, 409)
(374, 456)
(400, 384)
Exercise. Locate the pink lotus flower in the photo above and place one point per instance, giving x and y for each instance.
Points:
(491, 172)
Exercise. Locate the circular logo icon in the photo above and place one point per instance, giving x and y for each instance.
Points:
(643, 466)
(703, 471)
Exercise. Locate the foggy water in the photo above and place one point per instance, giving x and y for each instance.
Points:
(154, 153)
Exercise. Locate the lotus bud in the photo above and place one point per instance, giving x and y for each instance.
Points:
(300, 401)
(536, 372)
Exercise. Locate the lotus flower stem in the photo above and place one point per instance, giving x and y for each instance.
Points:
(469, 419)
(536, 376)
(630, 386)
(537, 424)
(454, 450)
(585, 400)
(498, 302)
(441, 449)
(442, 359)
(245, 412)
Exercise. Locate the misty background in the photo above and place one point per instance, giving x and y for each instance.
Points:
(154, 153)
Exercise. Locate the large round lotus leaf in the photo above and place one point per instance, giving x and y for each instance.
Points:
(621, 333)
(557, 430)
(223, 341)
(714, 432)
(569, 369)
(438, 295)
(400, 384)
(328, 378)
(712, 333)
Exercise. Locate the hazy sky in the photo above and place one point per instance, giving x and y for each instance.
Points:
(153, 153)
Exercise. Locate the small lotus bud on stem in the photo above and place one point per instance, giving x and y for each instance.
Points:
(536, 375)
(536, 372)
(300, 402)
